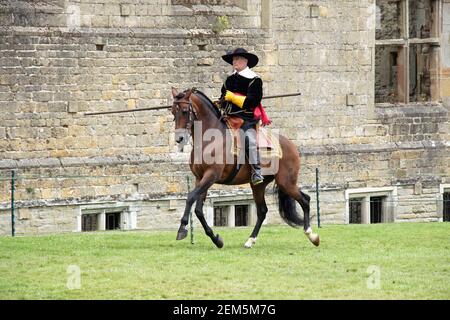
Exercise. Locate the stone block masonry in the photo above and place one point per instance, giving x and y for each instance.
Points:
(59, 59)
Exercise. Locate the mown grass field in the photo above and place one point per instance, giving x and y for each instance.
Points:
(411, 261)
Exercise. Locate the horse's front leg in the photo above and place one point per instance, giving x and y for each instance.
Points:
(196, 195)
(191, 199)
(218, 241)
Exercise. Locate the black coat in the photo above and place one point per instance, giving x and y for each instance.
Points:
(251, 88)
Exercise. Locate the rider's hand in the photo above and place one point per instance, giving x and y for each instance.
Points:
(218, 104)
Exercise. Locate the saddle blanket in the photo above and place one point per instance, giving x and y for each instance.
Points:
(267, 143)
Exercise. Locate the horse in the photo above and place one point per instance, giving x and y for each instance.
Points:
(192, 106)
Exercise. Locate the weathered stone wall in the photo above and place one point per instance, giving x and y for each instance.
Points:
(413, 156)
(446, 53)
(53, 70)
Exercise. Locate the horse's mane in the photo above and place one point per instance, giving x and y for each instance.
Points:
(208, 102)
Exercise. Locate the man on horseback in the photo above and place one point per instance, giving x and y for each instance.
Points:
(243, 90)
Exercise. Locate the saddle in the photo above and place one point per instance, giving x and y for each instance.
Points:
(267, 143)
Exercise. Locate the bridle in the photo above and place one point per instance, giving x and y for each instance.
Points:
(189, 113)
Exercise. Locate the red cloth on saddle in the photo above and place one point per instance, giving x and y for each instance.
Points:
(259, 113)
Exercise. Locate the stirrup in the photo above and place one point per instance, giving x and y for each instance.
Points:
(257, 179)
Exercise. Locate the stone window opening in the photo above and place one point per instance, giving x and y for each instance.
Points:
(89, 222)
(407, 51)
(367, 210)
(444, 202)
(238, 215)
(355, 210)
(446, 205)
(101, 219)
(112, 221)
(220, 216)
(370, 205)
(241, 216)
(377, 214)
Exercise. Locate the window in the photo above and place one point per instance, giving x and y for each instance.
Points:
(376, 209)
(358, 209)
(94, 221)
(96, 217)
(112, 221)
(241, 216)
(89, 222)
(355, 210)
(446, 211)
(220, 217)
(228, 214)
(370, 205)
(407, 51)
(444, 203)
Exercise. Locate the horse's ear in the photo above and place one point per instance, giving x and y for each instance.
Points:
(174, 92)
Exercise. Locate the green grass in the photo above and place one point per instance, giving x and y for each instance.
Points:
(413, 260)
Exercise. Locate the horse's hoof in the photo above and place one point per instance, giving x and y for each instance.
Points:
(250, 242)
(182, 233)
(218, 241)
(315, 239)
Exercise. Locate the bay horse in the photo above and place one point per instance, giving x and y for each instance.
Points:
(193, 106)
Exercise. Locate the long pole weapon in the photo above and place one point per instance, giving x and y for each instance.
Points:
(167, 107)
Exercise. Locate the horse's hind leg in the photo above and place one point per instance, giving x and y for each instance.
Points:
(289, 186)
(261, 211)
(304, 203)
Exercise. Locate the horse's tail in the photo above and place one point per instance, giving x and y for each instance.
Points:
(287, 209)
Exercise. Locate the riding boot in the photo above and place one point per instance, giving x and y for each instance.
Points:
(253, 157)
(257, 177)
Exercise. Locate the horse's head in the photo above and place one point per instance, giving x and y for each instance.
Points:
(184, 115)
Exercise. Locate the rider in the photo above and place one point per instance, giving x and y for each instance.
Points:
(243, 89)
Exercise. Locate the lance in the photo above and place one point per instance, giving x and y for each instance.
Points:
(128, 110)
(170, 106)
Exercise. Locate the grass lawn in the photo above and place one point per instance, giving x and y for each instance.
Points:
(384, 261)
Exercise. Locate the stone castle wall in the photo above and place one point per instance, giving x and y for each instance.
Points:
(60, 59)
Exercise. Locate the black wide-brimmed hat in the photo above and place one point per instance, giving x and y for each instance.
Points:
(252, 59)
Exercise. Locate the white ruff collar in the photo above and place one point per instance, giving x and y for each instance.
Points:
(246, 73)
